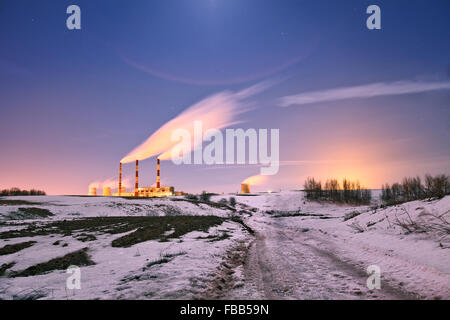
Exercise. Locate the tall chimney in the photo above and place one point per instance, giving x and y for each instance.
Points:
(136, 184)
(158, 184)
(120, 178)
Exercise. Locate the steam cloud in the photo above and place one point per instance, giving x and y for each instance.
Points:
(216, 112)
(111, 183)
(255, 180)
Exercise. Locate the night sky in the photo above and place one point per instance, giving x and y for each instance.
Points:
(75, 102)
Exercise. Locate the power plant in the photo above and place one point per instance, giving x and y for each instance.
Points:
(151, 192)
(145, 192)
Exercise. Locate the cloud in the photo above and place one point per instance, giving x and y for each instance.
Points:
(258, 165)
(364, 91)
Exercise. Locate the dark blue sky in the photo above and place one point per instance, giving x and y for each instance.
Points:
(73, 103)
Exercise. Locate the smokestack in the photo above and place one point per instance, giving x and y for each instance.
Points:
(245, 188)
(158, 184)
(120, 178)
(136, 184)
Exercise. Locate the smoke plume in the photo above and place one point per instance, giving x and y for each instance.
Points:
(215, 112)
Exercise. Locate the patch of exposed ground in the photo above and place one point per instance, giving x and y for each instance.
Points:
(144, 228)
(77, 258)
(229, 273)
(226, 278)
(244, 225)
(287, 214)
(13, 202)
(13, 248)
(158, 228)
(5, 267)
(217, 205)
(29, 213)
(215, 237)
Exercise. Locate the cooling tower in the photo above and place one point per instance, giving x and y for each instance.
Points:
(107, 192)
(136, 184)
(245, 188)
(158, 184)
(92, 191)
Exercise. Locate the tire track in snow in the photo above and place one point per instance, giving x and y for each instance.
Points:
(285, 264)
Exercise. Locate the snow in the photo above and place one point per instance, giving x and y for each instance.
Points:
(300, 250)
(75, 206)
(417, 263)
(118, 273)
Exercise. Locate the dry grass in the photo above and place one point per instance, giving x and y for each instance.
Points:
(357, 227)
(427, 222)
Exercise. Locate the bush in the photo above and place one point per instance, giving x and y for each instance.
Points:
(191, 197)
(313, 189)
(437, 186)
(205, 196)
(18, 192)
(412, 189)
(233, 202)
(351, 192)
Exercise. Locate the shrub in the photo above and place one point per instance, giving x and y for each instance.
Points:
(313, 189)
(18, 192)
(191, 197)
(412, 189)
(205, 196)
(437, 186)
(351, 192)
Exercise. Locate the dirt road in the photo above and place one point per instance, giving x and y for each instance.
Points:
(288, 263)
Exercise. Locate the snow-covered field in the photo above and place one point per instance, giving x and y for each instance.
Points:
(176, 268)
(72, 206)
(288, 248)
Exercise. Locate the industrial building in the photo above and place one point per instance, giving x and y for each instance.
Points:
(146, 192)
